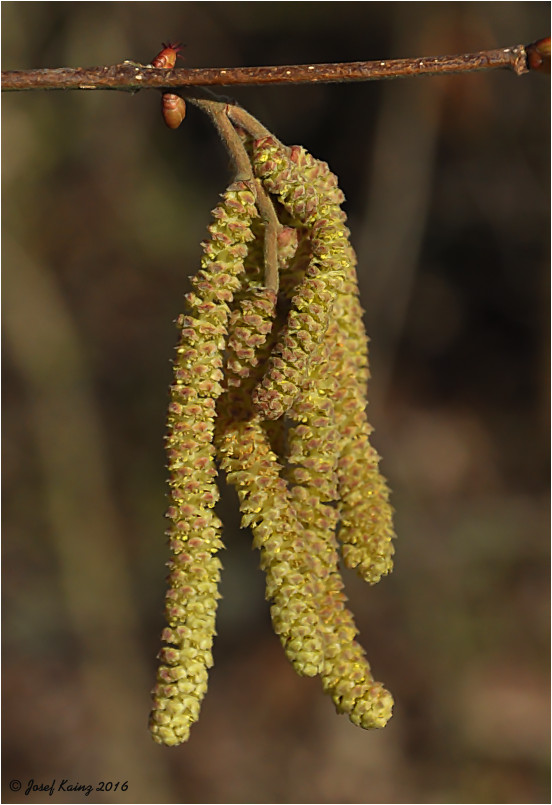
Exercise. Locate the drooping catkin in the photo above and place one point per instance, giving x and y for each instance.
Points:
(194, 532)
(346, 675)
(251, 466)
(250, 323)
(245, 453)
(271, 383)
(311, 305)
(366, 530)
(314, 446)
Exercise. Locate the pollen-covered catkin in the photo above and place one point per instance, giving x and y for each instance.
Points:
(347, 678)
(194, 532)
(314, 296)
(286, 559)
(366, 531)
(330, 425)
(313, 457)
(244, 452)
(250, 323)
(270, 384)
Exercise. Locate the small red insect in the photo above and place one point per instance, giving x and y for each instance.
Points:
(166, 58)
(173, 109)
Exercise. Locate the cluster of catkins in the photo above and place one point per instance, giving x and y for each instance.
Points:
(271, 387)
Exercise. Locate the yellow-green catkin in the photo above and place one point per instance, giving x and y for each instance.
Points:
(315, 295)
(244, 452)
(274, 388)
(194, 531)
(346, 675)
(251, 466)
(366, 530)
(314, 449)
(249, 325)
(291, 263)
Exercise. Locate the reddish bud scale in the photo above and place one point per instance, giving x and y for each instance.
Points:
(166, 58)
(173, 107)
(538, 55)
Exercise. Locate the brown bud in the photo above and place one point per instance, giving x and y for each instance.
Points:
(173, 110)
(538, 55)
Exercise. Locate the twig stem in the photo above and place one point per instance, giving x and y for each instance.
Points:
(223, 115)
(131, 76)
(272, 228)
(217, 111)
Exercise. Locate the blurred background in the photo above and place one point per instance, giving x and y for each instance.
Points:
(447, 186)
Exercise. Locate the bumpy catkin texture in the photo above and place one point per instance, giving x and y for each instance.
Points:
(249, 325)
(244, 452)
(366, 530)
(346, 675)
(274, 387)
(251, 466)
(315, 295)
(314, 447)
(194, 531)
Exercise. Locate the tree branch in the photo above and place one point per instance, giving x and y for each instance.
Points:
(131, 76)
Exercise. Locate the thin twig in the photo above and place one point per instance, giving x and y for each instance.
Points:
(247, 122)
(220, 113)
(217, 111)
(131, 76)
(272, 228)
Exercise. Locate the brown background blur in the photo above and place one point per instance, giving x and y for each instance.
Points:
(447, 185)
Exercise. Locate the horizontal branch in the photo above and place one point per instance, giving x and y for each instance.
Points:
(131, 76)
